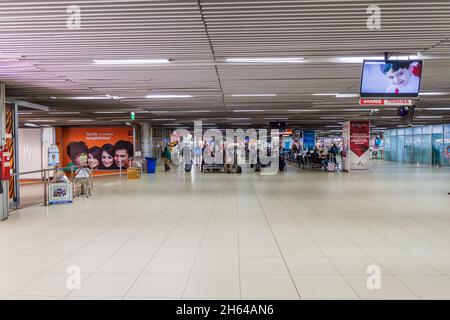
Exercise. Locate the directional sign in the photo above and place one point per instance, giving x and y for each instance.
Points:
(386, 102)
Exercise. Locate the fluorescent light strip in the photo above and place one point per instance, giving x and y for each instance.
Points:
(265, 60)
(433, 93)
(325, 94)
(254, 95)
(429, 117)
(248, 110)
(110, 112)
(80, 120)
(434, 109)
(93, 98)
(62, 113)
(130, 61)
(41, 120)
(361, 59)
(27, 124)
(347, 95)
(168, 96)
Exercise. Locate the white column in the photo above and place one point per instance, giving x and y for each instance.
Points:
(146, 140)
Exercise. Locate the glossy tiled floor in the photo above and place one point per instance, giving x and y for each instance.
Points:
(297, 235)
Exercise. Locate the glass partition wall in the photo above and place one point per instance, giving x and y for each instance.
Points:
(426, 145)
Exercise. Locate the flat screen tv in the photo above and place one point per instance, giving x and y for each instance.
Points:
(391, 79)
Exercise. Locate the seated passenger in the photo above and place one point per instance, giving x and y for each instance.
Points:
(324, 160)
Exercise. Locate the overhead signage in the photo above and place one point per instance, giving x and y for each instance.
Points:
(386, 102)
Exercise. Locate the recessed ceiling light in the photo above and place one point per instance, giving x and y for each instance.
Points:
(265, 60)
(168, 96)
(254, 95)
(130, 61)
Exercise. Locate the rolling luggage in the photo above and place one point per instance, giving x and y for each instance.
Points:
(238, 169)
(331, 166)
(258, 168)
(188, 167)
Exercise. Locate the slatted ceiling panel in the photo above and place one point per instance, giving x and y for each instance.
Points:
(58, 62)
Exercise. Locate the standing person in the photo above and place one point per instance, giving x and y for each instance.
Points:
(333, 152)
(198, 154)
(167, 158)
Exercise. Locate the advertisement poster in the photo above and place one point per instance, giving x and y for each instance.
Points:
(104, 148)
(53, 155)
(394, 78)
(59, 193)
(309, 140)
(359, 144)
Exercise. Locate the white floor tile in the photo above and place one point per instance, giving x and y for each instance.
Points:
(391, 288)
(105, 285)
(324, 287)
(158, 286)
(216, 265)
(262, 265)
(182, 265)
(268, 287)
(212, 286)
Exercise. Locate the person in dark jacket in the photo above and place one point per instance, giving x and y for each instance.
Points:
(167, 158)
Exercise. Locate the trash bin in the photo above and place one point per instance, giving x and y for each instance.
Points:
(151, 164)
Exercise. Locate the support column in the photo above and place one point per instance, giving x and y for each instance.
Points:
(146, 140)
(4, 195)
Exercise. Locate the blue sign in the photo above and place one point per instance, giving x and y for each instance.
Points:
(309, 140)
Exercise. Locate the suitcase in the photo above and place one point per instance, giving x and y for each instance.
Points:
(331, 166)
(187, 167)
(258, 167)
(238, 169)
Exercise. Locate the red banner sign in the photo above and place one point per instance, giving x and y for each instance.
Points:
(359, 137)
(386, 102)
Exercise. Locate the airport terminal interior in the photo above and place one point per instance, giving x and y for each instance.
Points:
(224, 149)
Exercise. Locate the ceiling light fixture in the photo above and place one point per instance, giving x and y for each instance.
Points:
(433, 93)
(429, 117)
(168, 96)
(27, 124)
(265, 60)
(94, 98)
(347, 95)
(249, 110)
(254, 95)
(130, 61)
(80, 120)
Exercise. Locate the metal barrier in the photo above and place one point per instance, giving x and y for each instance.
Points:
(45, 177)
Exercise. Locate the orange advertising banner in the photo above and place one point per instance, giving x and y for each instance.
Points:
(107, 148)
